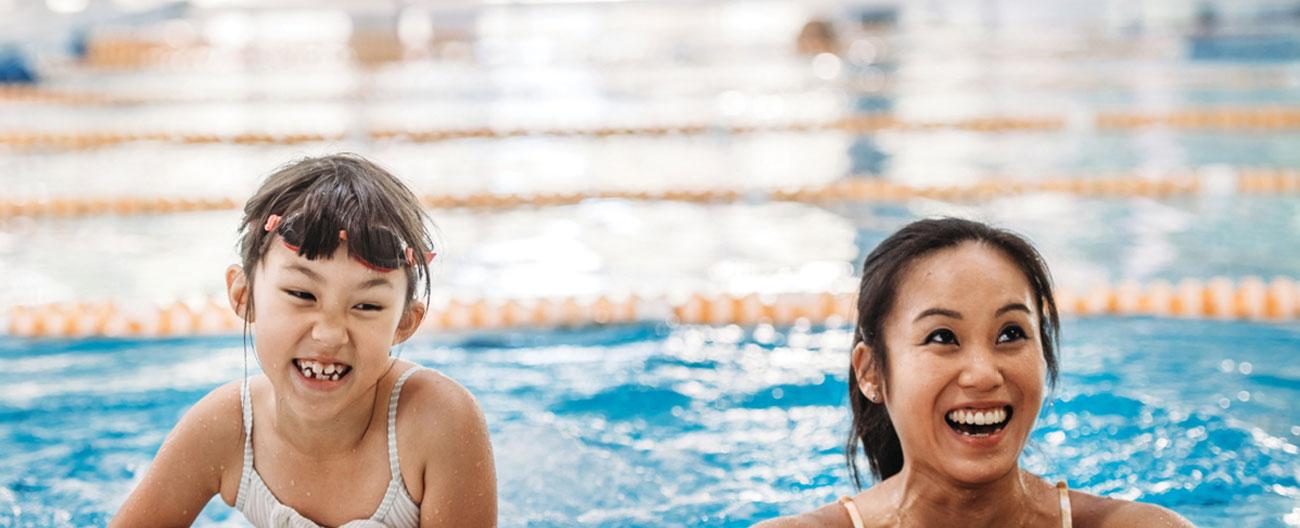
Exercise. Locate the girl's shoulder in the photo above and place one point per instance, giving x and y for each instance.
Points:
(219, 420)
(209, 439)
(434, 406)
(1096, 511)
(431, 394)
(441, 432)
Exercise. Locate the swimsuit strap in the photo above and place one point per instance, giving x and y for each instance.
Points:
(392, 424)
(853, 511)
(396, 486)
(245, 476)
(1067, 515)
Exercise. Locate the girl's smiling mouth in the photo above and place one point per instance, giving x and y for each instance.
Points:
(321, 374)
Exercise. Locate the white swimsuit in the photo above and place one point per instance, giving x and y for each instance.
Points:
(260, 506)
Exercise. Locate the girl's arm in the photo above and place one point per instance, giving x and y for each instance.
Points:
(187, 471)
(460, 484)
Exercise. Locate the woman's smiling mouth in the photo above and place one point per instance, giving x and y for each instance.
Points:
(979, 422)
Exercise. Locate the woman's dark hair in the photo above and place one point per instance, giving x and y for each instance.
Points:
(883, 269)
(319, 197)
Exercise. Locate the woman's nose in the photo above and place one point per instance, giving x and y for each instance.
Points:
(980, 370)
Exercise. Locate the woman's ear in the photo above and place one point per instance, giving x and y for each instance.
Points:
(237, 291)
(411, 319)
(868, 375)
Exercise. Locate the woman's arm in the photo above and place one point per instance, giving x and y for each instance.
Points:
(187, 470)
(460, 484)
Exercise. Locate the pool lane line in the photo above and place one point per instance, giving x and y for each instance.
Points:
(1249, 298)
(1249, 181)
(1225, 119)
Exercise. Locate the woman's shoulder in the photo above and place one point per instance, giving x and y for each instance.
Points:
(830, 515)
(872, 504)
(1096, 511)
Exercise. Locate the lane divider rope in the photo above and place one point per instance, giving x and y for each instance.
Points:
(1209, 119)
(1243, 181)
(15, 93)
(78, 140)
(1249, 298)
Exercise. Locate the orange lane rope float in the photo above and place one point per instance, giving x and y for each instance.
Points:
(1244, 181)
(77, 140)
(860, 124)
(1249, 298)
(1228, 119)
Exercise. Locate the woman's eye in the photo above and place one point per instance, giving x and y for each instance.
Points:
(1011, 333)
(942, 336)
(300, 295)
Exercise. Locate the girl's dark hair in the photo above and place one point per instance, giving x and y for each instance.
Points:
(341, 192)
(884, 267)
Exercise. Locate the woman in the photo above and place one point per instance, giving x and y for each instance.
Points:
(955, 343)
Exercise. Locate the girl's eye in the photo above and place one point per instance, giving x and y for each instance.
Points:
(942, 336)
(1011, 333)
(300, 295)
(369, 307)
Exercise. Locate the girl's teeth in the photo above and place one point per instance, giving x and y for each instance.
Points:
(314, 370)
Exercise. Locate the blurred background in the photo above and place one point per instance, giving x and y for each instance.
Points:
(661, 155)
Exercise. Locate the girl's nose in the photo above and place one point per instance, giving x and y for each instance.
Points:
(330, 331)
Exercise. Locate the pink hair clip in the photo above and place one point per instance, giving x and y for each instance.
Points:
(410, 256)
(272, 222)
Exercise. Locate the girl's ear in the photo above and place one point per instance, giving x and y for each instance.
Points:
(411, 319)
(237, 291)
(869, 382)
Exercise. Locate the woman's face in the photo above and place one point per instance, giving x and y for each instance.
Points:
(324, 327)
(966, 366)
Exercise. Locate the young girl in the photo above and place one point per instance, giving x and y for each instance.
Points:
(956, 339)
(335, 431)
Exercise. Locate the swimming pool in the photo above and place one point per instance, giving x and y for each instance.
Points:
(653, 425)
(664, 424)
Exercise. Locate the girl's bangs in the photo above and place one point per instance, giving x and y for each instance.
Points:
(317, 236)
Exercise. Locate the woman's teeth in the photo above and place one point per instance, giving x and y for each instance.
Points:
(978, 422)
(321, 371)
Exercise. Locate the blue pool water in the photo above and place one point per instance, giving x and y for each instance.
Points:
(663, 425)
(653, 425)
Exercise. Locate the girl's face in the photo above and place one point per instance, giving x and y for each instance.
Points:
(324, 327)
(966, 366)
